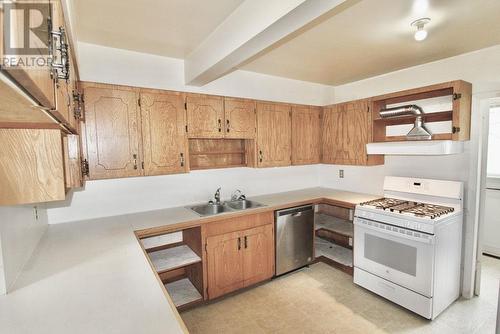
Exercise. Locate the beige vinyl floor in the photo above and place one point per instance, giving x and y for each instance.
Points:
(321, 299)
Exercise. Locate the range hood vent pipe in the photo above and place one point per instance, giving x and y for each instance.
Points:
(419, 131)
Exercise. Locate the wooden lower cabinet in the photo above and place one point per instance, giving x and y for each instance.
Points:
(238, 259)
(225, 264)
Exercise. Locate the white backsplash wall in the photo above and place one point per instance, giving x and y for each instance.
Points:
(120, 196)
(20, 232)
(356, 178)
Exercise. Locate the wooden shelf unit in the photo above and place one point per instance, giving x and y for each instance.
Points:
(221, 153)
(459, 91)
(177, 258)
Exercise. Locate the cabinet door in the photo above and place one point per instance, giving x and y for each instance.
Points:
(37, 80)
(273, 135)
(163, 133)
(333, 134)
(239, 118)
(112, 132)
(205, 116)
(258, 254)
(306, 135)
(356, 125)
(31, 166)
(224, 264)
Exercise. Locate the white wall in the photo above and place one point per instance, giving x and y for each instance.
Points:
(116, 66)
(482, 69)
(491, 228)
(120, 196)
(20, 233)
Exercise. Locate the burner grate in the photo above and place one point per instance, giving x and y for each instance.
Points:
(402, 206)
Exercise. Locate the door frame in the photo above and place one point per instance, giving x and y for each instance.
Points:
(485, 104)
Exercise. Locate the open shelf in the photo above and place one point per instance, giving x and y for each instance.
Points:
(173, 258)
(334, 224)
(183, 292)
(446, 107)
(333, 251)
(221, 153)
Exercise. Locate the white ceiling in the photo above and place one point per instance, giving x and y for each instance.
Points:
(366, 38)
(171, 28)
(373, 37)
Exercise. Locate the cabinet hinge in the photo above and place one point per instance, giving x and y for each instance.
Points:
(85, 167)
(456, 96)
(78, 100)
(455, 129)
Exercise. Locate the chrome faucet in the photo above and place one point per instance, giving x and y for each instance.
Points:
(238, 195)
(217, 196)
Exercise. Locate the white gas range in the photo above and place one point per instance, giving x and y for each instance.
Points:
(407, 245)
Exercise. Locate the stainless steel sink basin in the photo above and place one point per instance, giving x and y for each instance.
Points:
(210, 209)
(243, 204)
(214, 209)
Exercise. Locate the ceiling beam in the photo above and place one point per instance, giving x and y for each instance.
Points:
(251, 28)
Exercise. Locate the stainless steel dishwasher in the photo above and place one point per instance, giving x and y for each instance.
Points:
(294, 238)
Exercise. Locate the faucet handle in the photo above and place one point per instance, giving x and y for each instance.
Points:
(237, 195)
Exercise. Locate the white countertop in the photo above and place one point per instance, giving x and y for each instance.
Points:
(93, 277)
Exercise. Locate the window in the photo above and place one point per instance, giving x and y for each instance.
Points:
(493, 167)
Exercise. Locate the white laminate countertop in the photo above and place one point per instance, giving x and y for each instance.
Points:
(93, 277)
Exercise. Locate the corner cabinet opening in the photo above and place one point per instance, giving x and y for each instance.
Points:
(177, 259)
(221, 153)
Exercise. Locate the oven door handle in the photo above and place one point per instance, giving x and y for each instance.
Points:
(429, 240)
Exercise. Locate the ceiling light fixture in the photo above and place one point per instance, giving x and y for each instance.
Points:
(421, 33)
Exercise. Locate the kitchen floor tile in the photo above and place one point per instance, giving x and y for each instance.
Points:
(322, 299)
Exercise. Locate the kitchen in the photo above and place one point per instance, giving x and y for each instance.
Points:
(101, 235)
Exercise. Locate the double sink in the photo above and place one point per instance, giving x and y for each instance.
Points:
(211, 209)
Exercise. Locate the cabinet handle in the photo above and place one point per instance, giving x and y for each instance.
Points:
(135, 160)
(182, 159)
(246, 244)
(260, 156)
(220, 125)
(227, 125)
(239, 243)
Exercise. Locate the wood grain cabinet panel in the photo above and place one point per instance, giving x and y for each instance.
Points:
(258, 254)
(112, 132)
(224, 264)
(273, 135)
(306, 135)
(347, 128)
(72, 162)
(31, 166)
(163, 134)
(205, 116)
(239, 118)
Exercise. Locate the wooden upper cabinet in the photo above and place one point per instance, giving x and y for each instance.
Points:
(31, 166)
(273, 135)
(163, 133)
(258, 254)
(224, 263)
(112, 131)
(346, 131)
(306, 135)
(205, 116)
(36, 80)
(239, 120)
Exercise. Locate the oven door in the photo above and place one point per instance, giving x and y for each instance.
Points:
(402, 256)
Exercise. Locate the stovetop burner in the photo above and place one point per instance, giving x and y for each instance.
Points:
(401, 206)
